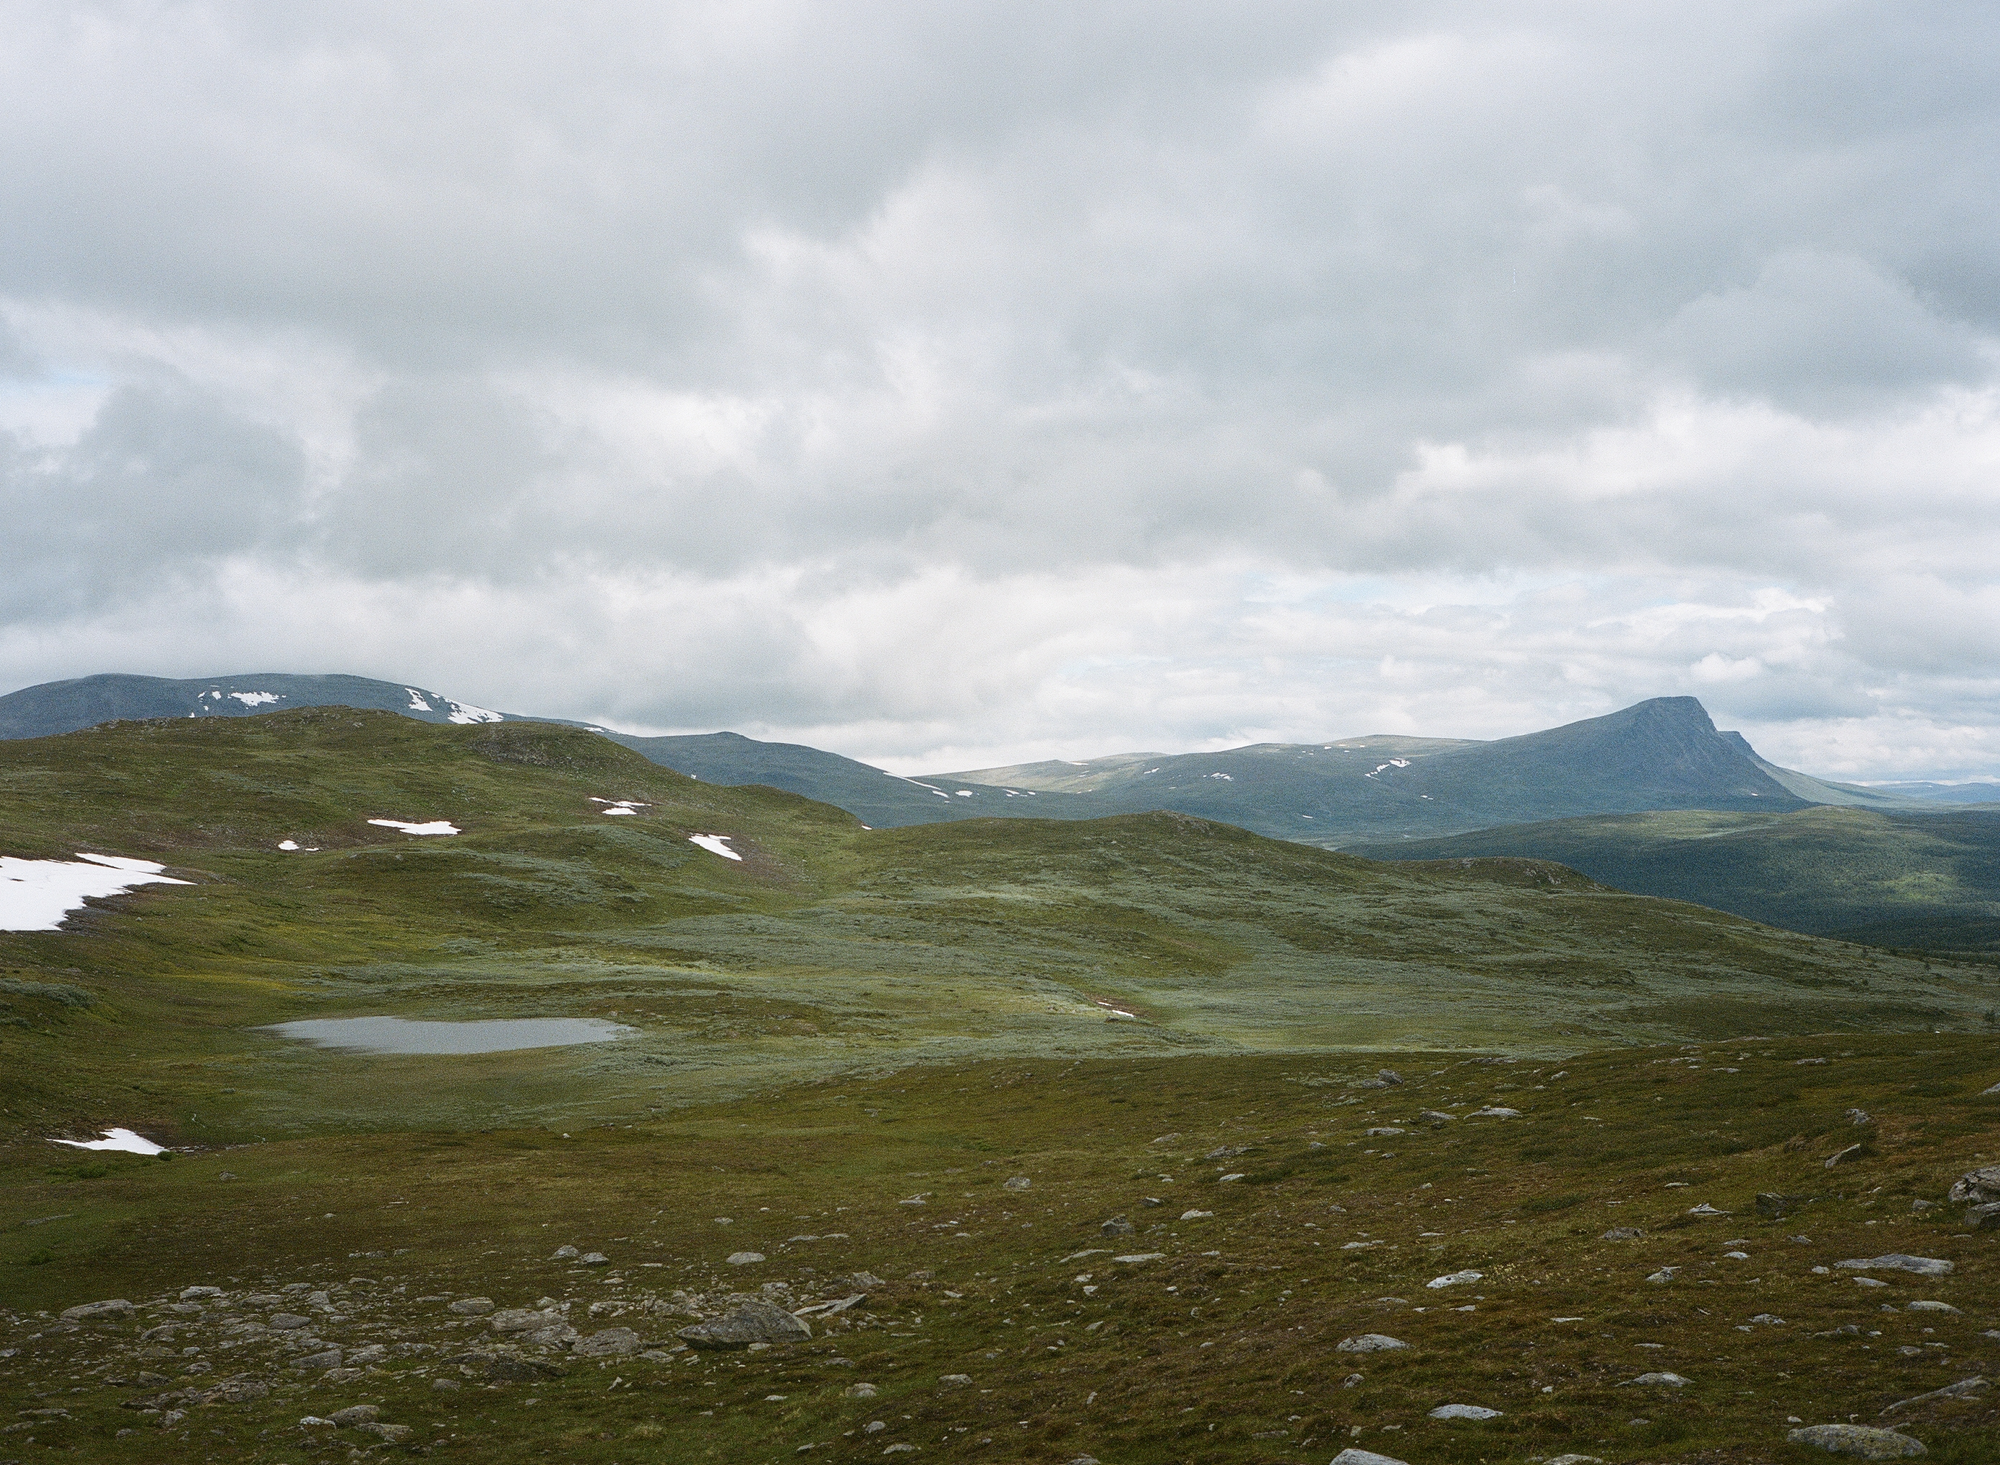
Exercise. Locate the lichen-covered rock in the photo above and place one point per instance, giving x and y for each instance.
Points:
(1976, 1187)
(610, 1343)
(116, 1307)
(1857, 1440)
(1369, 1343)
(753, 1322)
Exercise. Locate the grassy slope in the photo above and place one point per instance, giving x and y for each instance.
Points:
(1907, 880)
(828, 949)
(1220, 1350)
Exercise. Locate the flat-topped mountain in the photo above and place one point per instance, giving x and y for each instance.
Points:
(59, 707)
(1664, 753)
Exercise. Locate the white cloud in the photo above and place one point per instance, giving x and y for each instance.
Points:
(955, 385)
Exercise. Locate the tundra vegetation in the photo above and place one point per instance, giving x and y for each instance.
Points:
(1062, 1139)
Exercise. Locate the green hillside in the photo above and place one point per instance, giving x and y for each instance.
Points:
(887, 1072)
(1927, 881)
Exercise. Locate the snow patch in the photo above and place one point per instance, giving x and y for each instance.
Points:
(466, 712)
(436, 826)
(1226, 778)
(965, 793)
(36, 895)
(288, 844)
(716, 844)
(116, 1139)
(257, 699)
(417, 702)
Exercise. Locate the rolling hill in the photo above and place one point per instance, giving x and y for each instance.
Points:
(1891, 879)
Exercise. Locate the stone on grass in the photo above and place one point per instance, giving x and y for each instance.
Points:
(859, 1391)
(1574, 1460)
(1655, 1381)
(1464, 1411)
(1896, 1261)
(1927, 1306)
(285, 1322)
(388, 1433)
(472, 1306)
(956, 1380)
(595, 1259)
(565, 1254)
(524, 1320)
(1118, 1226)
(1196, 1215)
(1976, 1187)
(1842, 1157)
(318, 1362)
(1353, 1456)
(355, 1414)
(1435, 1118)
(1453, 1279)
(116, 1307)
(1622, 1233)
(1857, 1440)
(744, 1258)
(1369, 1343)
(1016, 1182)
(1970, 1388)
(1496, 1111)
(610, 1343)
(753, 1322)
(1770, 1203)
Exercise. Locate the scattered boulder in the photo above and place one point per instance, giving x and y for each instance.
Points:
(595, 1259)
(1857, 1440)
(196, 1294)
(610, 1343)
(744, 1258)
(1196, 1215)
(1389, 1076)
(859, 1391)
(1859, 1117)
(116, 1307)
(1353, 1456)
(1574, 1460)
(355, 1414)
(753, 1322)
(1923, 1266)
(1778, 1206)
(565, 1254)
(318, 1362)
(1453, 1279)
(1970, 1388)
(1016, 1182)
(1464, 1411)
(472, 1306)
(1369, 1343)
(1927, 1306)
(1655, 1381)
(1118, 1226)
(524, 1320)
(1382, 1130)
(1622, 1233)
(1435, 1118)
(1496, 1111)
(234, 1391)
(1842, 1157)
(1705, 1209)
(1769, 1320)
(507, 1368)
(288, 1322)
(1976, 1187)
(956, 1380)
(1984, 1218)
(388, 1433)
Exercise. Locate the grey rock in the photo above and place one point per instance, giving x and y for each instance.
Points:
(1118, 1226)
(1574, 1460)
(744, 1258)
(1859, 1117)
(1970, 1388)
(1464, 1411)
(355, 1414)
(565, 1254)
(372, 1353)
(555, 1335)
(1353, 1380)
(1923, 1266)
(753, 1322)
(610, 1343)
(1928, 1306)
(1455, 1279)
(1389, 1075)
(1369, 1343)
(235, 1391)
(865, 1281)
(596, 1259)
(1226, 1152)
(392, 1433)
(1655, 1381)
(505, 1368)
(1769, 1320)
(1857, 1440)
(1382, 1131)
(1776, 1206)
(1353, 1456)
(286, 1322)
(1435, 1117)
(116, 1307)
(1151, 1200)
(194, 1294)
(859, 1391)
(1622, 1233)
(472, 1306)
(1016, 1182)
(956, 1380)
(1842, 1157)
(446, 1385)
(1976, 1187)
(318, 1362)
(524, 1320)
(1496, 1111)
(1984, 1218)
(1196, 1215)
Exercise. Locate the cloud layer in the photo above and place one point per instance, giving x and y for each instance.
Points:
(959, 384)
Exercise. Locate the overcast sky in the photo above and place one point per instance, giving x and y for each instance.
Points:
(954, 384)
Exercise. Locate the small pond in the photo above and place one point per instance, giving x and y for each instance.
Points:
(408, 1035)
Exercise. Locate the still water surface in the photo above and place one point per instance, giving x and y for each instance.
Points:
(407, 1035)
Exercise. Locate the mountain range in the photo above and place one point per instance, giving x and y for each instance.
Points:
(1660, 754)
